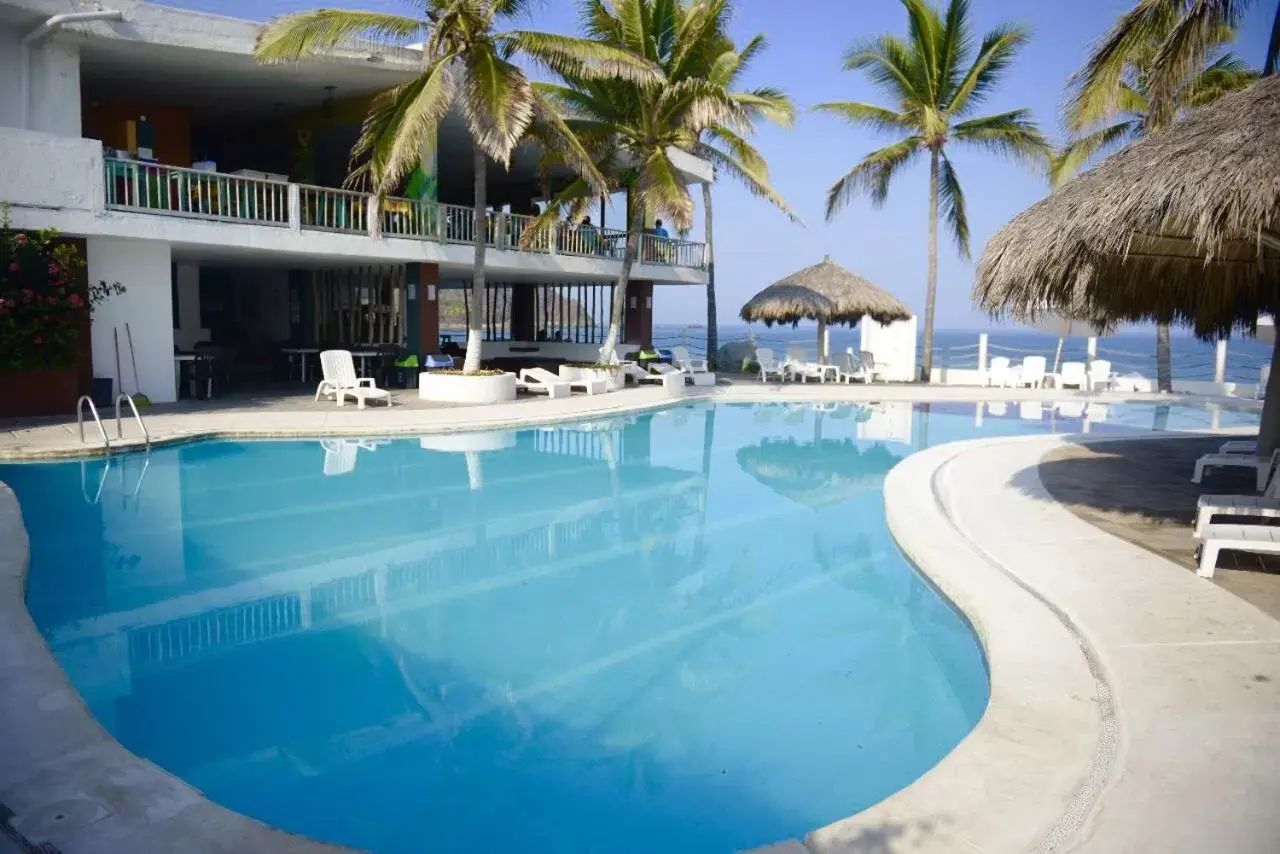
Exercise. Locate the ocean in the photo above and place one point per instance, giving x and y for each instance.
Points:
(1128, 352)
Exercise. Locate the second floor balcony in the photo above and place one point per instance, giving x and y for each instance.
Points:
(259, 200)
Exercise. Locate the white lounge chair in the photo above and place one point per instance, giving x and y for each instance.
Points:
(544, 377)
(1266, 506)
(1031, 410)
(849, 368)
(1031, 372)
(1073, 374)
(1259, 539)
(1262, 466)
(340, 380)
(998, 408)
(999, 374)
(770, 365)
(1070, 408)
(340, 454)
(1099, 374)
(873, 368)
(1239, 446)
(542, 381)
(688, 364)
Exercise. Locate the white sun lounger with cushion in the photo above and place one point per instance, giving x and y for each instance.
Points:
(340, 380)
(1073, 374)
(1258, 539)
(1262, 466)
(687, 363)
(542, 381)
(545, 377)
(1031, 372)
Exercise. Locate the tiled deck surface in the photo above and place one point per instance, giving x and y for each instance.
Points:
(1142, 492)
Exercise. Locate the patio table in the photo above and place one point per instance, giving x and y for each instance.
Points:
(300, 353)
(364, 356)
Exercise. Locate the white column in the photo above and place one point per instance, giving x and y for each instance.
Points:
(824, 341)
(143, 268)
(1220, 361)
(373, 210)
(982, 351)
(295, 207)
(1091, 348)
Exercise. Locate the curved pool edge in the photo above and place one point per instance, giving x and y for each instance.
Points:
(59, 761)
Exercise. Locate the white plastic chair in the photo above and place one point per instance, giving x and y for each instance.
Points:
(1262, 466)
(1031, 373)
(1073, 374)
(544, 382)
(999, 373)
(340, 380)
(683, 361)
(850, 369)
(1099, 374)
(770, 365)
(1265, 506)
(871, 366)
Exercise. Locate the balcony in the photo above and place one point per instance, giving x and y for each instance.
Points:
(193, 194)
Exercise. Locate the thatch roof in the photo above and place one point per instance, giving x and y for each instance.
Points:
(817, 474)
(826, 292)
(1172, 228)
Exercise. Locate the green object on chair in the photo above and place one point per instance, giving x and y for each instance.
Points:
(410, 361)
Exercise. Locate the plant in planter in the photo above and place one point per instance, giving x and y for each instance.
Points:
(611, 374)
(43, 309)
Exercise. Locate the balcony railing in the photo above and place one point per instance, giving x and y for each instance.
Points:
(327, 209)
(155, 188)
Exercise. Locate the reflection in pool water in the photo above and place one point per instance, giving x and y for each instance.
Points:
(685, 631)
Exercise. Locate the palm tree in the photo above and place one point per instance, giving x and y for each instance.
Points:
(631, 125)
(936, 89)
(466, 57)
(725, 67)
(1109, 109)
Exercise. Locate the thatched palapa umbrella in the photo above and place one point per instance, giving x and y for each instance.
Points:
(827, 293)
(1182, 226)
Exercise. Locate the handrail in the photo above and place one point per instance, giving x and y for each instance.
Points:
(102, 479)
(180, 191)
(136, 417)
(84, 398)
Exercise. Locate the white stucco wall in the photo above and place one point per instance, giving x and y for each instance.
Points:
(894, 345)
(53, 173)
(55, 87)
(143, 267)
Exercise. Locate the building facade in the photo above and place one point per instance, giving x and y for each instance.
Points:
(211, 187)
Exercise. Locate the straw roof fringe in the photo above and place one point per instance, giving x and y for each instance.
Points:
(1171, 228)
(824, 291)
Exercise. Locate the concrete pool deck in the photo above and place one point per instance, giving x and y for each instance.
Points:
(1134, 706)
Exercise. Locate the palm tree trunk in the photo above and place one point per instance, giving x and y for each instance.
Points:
(618, 312)
(713, 335)
(931, 291)
(1164, 359)
(475, 323)
(1273, 46)
(1269, 429)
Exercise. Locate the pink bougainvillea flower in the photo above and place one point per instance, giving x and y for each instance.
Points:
(13, 266)
(21, 240)
(37, 340)
(75, 300)
(27, 293)
(54, 268)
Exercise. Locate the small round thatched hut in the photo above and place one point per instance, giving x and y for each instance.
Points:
(827, 293)
(1180, 227)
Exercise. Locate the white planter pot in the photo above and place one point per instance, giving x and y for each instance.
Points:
(613, 380)
(452, 443)
(463, 388)
(673, 384)
(570, 373)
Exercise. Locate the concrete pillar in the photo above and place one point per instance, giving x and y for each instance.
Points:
(638, 318)
(422, 308)
(1091, 348)
(1220, 361)
(144, 268)
(982, 351)
(824, 342)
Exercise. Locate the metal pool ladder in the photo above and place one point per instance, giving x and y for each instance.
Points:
(93, 410)
(136, 417)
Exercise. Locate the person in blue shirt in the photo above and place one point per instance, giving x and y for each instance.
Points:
(658, 229)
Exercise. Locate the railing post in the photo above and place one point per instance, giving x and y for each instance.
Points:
(295, 207)
(500, 230)
(553, 239)
(442, 222)
(1091, 349)
(982, 352)
(1220, 361)
(373, 213)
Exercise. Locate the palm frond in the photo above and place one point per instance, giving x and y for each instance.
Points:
(924, 34)
(873, 175)
(574, 57)
(994, 56)
(291, 38)
(1187, 46)
(550, 130)
(1228, 74)
(859, 114)
(957, 45)
(659, 190)
(745, 164)
(401, 123)
(1076, 154)
(765, 102)
(1012, 134)
(887, 61)
(497, 102)
(951, 205)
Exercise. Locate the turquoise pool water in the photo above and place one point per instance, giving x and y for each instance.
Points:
(686, 631)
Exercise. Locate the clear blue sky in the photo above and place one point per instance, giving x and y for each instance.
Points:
(757, 245)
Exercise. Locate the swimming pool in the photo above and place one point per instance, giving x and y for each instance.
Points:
(681, 631)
